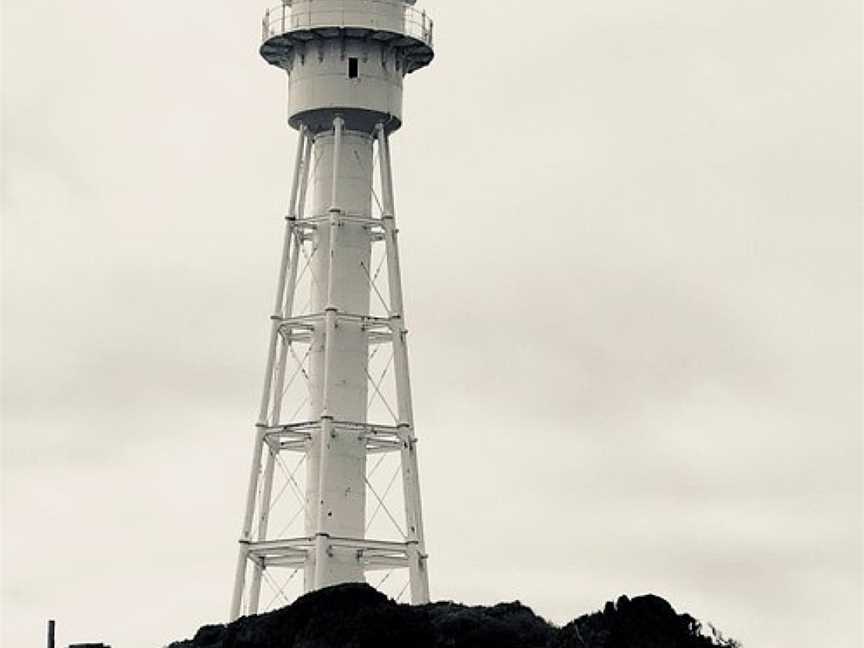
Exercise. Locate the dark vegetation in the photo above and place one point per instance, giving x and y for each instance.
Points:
(357, 616)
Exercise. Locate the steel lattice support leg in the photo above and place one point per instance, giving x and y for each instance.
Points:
(266, 396)
(418, 575)
(294, 242)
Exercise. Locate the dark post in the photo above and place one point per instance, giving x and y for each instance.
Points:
(50, 633)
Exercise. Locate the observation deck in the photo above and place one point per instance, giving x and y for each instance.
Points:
(392, 23)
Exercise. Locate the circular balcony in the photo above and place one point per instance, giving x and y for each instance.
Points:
(393, 23)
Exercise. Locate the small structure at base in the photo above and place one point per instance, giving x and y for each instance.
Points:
(51, 625)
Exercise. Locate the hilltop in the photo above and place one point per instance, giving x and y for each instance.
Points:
(357, 616)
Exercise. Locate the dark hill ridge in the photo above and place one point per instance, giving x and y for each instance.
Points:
(357, 616)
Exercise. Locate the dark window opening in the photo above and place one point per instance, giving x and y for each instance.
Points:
(353, 68)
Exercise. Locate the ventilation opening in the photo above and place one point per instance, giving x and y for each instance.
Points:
(353, 68)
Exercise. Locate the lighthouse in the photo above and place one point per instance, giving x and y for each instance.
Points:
(336, 400)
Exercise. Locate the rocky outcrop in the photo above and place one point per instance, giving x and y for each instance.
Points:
(357, 616)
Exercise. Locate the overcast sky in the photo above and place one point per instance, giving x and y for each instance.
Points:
(631, 248)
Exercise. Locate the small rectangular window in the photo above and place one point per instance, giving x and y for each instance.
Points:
(353, 68)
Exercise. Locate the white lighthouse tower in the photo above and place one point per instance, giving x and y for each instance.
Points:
(337, 398)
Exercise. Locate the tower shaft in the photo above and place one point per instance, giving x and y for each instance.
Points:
(339, 374)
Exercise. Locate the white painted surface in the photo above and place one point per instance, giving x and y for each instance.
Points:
(318, 79)
(344, 490)
(340, 116)
(382, 15)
